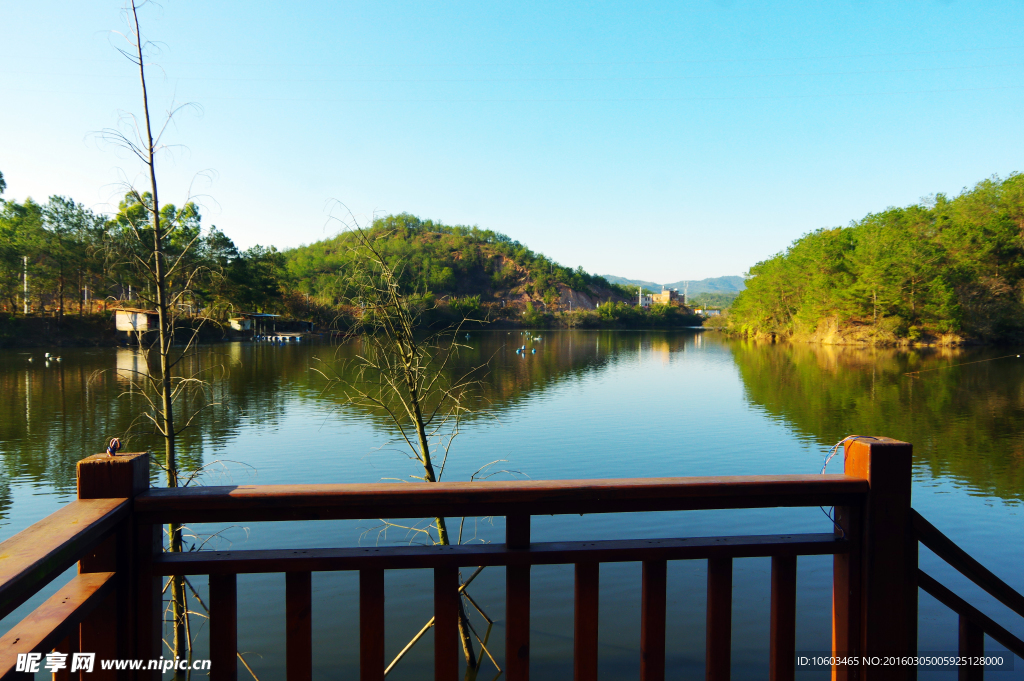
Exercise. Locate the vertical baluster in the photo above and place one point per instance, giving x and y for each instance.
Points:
(446, 624)
(147, 618)
(912, 596)
(652, 621)
(68, 646)
(371, 625)
(223, 627)
(298, 587)
(585, 629)
(972, 644)
(719, 626)
(846, 590)
(782, 664)
(517, 602)
(103, 631)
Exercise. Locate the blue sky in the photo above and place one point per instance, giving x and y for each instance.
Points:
(659, 140)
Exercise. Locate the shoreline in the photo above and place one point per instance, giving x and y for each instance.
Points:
(97, 330)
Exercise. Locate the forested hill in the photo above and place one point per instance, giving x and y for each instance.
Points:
(454, 262)
(942, 270)
(83, 262)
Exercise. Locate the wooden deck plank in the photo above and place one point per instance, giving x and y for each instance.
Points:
(46, 626)
(541, 553)
(424, 500)
(35, 556)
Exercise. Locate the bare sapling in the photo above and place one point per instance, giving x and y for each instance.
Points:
(153, 250)
(409, 376)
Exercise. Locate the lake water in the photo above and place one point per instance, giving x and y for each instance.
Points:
(587, 404)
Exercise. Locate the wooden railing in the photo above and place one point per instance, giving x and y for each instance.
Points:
(516, 501)
(974, 624)
(92, 612)
(113, 607)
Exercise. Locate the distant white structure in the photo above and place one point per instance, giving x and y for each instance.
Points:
(669, 296)
(131, 319)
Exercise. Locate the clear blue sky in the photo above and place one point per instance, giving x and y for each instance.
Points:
(658, 140)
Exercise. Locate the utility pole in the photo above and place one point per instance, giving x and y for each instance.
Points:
(25, 302)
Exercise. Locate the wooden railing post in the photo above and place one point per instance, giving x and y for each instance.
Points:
(880, 615)
(110, 629)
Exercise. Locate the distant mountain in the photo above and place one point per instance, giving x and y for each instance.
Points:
(711, 285)
(650, 285)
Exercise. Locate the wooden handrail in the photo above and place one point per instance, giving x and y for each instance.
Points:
(422, 500)
(545, 553)
(44, 627)
(947, 550)
(97, 532)
(35, 556)
(962, 607)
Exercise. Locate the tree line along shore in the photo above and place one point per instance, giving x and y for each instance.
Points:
(947, 270)
(81, 265)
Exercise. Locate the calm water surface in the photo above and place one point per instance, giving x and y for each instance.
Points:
(586, 405)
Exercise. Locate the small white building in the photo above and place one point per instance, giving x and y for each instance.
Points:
(130, 319)
(255, 322)
(645, 300)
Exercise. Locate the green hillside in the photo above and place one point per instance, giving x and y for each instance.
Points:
(939, 271)
(721, 300)
(79, 262)
(450, 262)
